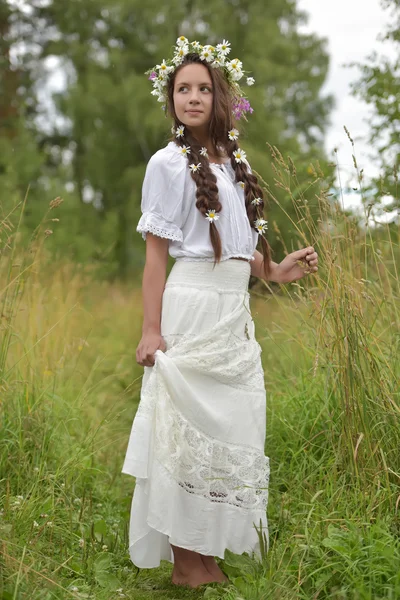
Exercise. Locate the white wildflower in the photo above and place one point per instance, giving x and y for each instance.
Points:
(239, 155)
(180, 131)
(233, 134)
(211, 216)
(261, 225)
(251, 81)
(194, 168)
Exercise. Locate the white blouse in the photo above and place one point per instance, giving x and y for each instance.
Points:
(169, 210)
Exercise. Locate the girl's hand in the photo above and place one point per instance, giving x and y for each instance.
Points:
(149, 343)
(297, 264)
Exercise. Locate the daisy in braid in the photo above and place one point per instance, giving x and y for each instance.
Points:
(197, 442)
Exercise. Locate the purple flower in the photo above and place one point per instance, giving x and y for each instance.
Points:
(241, 106)
(152, 76)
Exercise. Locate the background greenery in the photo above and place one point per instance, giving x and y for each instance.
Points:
(71, 307)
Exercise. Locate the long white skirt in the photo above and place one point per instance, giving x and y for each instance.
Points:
(197, 441)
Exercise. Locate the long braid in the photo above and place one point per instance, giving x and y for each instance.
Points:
(207, 197)
(252, 190)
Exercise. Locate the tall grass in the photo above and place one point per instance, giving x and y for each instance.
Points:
(69, 385)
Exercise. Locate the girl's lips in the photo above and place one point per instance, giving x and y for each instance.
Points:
(194, 112)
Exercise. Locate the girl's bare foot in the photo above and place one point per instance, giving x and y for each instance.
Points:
(189, 568)
(193, 578)
(212, 567)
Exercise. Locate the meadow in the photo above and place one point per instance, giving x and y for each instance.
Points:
(70, 384)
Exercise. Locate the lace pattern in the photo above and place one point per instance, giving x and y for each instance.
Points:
(204, 466)
(157, 226)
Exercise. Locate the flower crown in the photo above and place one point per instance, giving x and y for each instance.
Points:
(217, 58)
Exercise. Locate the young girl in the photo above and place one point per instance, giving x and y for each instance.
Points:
(197, 442)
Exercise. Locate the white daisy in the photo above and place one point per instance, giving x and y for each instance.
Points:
(180, 131)
(204, 152)
(239, 155)
(194, 168)
(251, 81)
(182, 51)
(182, 41)
(211, 215)
(233, 134)
(261, 225)
(256, 201)
(164, 69)
(237, 74)
(177, 59)
(234, 65)
(162, 98)
(241, 183)
(185, 150)
(224, 48)
(217, 63)
(207, 53)
(196, 45)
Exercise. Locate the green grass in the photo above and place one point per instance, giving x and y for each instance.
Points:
(69, 388)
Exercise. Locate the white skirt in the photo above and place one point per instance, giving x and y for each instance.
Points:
(197, 441)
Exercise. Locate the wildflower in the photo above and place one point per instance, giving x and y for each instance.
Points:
(56, 220)
(241, 183)
(194, 168)
(180, 131)
(77, 501)
(204, 152)
(261, 225)
(153, 76)
(207, 54)
(224, 48)
(81, 543)
(35, 524)
(256, 201)
(49, 523)
(241, 106)
(44, 516)
(164, 69)
(104, 548)
(20, 497)
(250, 81)
(48, 232)
(185, 150)
(196, 45)
(211, 216)
(239, 155)
(36, 469)
(74, 589)
(233, 134)
(182, 41)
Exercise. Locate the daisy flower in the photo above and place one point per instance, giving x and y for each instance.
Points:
(251, 81)
(224, 48)
(218, 62)
(211, 215)
(164, 69)
(182, 51)
(204, 152)
(239, 155)
(185, 150)
(261, 225)
(196, 45)
(207, 54)
(233, 134)
(180, 131)
(241, 183)
(182, 41)
(256, 201)
(194, 168)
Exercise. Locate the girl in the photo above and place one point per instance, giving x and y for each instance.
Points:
(197, 442)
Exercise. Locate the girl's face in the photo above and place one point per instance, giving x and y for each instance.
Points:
(193, 97)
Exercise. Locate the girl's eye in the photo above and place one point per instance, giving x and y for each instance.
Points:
(204, 87)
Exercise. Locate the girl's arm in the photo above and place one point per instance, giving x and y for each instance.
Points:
(153, 284)
(293, 267)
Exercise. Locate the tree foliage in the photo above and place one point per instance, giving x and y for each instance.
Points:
(108, 125)
(379, 87)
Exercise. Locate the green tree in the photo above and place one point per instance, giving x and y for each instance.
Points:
(379, 87)
(111, 123)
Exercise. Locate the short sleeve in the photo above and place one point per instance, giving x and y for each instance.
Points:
(162, 196)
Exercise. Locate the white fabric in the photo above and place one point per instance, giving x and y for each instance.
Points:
(169, 210)
(197, 441)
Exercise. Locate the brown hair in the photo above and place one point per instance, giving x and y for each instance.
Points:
(206, 182)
